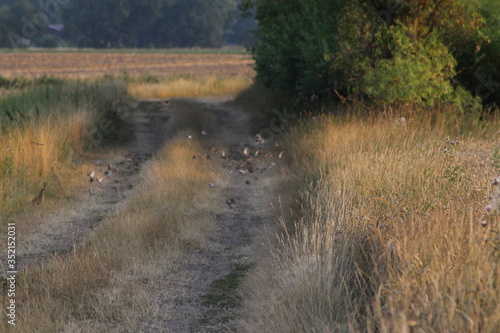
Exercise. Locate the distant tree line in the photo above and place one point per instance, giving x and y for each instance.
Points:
(403, 52)
(125, 23)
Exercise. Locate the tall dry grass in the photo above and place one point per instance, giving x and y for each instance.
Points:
(190, 86)
(109, 285)
(42, 138)
(387, 233)
(39, 153)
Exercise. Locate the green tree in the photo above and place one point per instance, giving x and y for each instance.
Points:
(402, 51)
(96, 23)
(142, 17)
(196, 22)
(15, 23)
(417, 72)
(141, 23)
(479, 61)
(5, 26)
(294, 39)
(241, 29)
(393, 51)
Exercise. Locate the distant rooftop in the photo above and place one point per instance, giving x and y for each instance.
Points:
(56, 27)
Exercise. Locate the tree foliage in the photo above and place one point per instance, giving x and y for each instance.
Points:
(124, 23)
(392, 51)
(13, 15)
(153, 23)
(293, 39)
(479, 70)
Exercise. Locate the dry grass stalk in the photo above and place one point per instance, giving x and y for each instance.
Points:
(25, 166)
(105, 286)
(44, 130)
(191, 86)
(389, 238)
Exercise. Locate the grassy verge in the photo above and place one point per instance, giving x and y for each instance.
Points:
(44, 126)
(388, 233)
(188, 86)
(107, 286)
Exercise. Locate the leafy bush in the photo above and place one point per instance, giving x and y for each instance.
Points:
(418, 72)
(152, 23)
(294, 39)
(479, 63)
(48, 41)
(392, 51)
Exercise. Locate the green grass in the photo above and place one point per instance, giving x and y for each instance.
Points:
(32, 99)
(223, 298)
(223, 293)
(22, 82)
(496, 158)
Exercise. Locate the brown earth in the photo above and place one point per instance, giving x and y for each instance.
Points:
(84, 65)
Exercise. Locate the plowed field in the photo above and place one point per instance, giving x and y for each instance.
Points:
(84, 65)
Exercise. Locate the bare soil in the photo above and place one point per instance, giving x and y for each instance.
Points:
(209, 296)
(82, 65)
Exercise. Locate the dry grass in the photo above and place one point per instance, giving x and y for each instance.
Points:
(39, 153)
(44, 147)
(388, 236)
(190, 86)
(108, 285)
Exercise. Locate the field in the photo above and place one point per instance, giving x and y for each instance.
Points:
(156, 75)
(72, 65)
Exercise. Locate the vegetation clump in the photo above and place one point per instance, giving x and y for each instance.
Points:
(45, 126)
(387, 230)
(415, 52)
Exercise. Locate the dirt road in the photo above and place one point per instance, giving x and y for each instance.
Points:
(208, 299)
(204, 295)
(60, 231)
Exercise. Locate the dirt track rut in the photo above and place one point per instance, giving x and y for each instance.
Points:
(59, 232)
(208, 298)
(198, 302)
